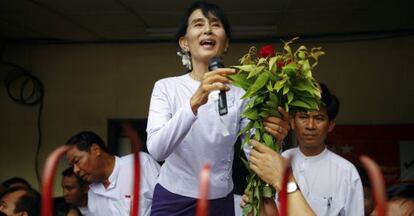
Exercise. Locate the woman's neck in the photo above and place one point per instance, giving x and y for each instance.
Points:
(199, 68)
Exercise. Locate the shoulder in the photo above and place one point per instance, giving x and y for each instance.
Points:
(170, 80)
(166, 85)
(144, 158)
(342, 163)
(126, 159)
(289, 152)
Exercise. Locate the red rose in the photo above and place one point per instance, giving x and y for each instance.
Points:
(282, 63)
(267, 51)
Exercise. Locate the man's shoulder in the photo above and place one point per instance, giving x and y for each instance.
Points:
(289, 152)
(340, 161)
(144, 158)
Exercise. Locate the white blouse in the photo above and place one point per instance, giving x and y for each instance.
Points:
(186, 141)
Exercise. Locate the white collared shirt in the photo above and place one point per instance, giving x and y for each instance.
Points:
(330, 184)
(187, 141)
(117, 197)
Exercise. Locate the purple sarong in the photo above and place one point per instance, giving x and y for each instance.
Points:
(165, 203)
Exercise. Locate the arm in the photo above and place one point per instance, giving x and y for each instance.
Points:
(165, 129)
(269, 166)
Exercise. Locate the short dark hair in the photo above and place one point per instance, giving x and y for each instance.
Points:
(330, 102)
(402, 190)
(206, 8)
(68, 172)
(14, 180)
(84, 140)
(29, 202)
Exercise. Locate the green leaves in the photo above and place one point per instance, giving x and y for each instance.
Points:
(247, 209)
(268, 192)
(258, 84)
(268, 140)
(282, 80)
(251, 114)
(240, 80)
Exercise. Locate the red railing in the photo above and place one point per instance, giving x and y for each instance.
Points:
(378, 184)
(48, 179)
(283, 208)
(136, 146)
(202, 202)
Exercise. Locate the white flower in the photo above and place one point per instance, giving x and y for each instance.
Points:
(185, 59)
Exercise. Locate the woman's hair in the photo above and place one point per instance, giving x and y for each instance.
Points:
(206, 8)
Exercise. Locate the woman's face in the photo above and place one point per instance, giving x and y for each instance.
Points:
(205, 37)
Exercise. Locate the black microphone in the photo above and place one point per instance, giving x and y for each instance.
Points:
(213, 64)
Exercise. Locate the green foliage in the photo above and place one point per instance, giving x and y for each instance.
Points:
(282, 80)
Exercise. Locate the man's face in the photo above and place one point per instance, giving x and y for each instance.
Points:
(8, 203)
(72, 191)
(312, 128)
(85, 163)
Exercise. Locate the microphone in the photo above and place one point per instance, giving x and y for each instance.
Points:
(213, 64)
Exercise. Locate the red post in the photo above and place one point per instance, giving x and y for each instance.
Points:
(136, 146)
(283, 209)
(378, 184)
(48, 178)
(202, 202)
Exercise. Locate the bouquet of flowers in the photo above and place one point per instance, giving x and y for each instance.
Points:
(273, 79)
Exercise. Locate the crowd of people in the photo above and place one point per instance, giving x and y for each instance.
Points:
(185, 131)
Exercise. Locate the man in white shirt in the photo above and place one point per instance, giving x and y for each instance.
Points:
(111, 177)
(331, 184)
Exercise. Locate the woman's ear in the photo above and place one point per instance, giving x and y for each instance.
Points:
(183, 44)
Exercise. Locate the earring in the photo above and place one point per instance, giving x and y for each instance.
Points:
(225, 50)
(185, 58)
